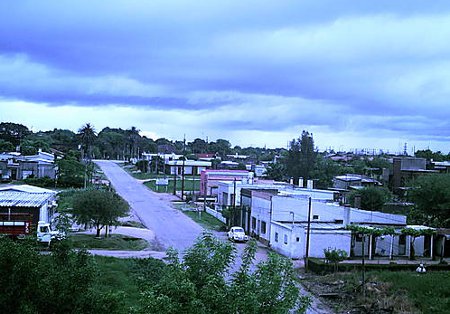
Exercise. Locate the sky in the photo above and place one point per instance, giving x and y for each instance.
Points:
(356, 74)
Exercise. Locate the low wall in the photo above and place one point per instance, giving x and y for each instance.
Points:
(216, 214)
(319, 266)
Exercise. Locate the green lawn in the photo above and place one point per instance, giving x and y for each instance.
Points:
(206, 220)
(114, 242)
(189, 185)
(429, 292)
(117, 275)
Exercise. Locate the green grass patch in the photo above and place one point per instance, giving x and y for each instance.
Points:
(206, 220)
(146, 175)
(190, 185)
(117, 274)
(429, 292)
(113, 242)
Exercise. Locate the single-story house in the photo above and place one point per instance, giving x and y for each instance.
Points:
(191, 167)
(14, 166)
(16, 200)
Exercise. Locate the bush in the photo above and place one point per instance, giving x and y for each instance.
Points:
(45, 182)
(335, 256)
(62, 282)
(142, 165)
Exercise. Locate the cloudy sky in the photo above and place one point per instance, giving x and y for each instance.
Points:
(357, 74)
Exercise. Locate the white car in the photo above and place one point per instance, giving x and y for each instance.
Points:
(237, 234)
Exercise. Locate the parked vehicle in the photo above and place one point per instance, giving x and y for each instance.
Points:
(19, 225)
(237, 234)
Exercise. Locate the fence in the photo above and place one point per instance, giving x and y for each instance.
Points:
(216, 214)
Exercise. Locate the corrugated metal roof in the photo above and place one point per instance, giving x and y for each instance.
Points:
(23, 199)
(25, 188)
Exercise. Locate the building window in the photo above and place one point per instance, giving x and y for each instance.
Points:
(402, 239)
(263, 227)
(253, 223)
(315, 217)
(276, 236)
(297, 239)
(285, 239)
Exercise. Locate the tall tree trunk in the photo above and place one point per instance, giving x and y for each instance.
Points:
(412, 251)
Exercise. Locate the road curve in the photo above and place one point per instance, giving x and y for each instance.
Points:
(171, 227)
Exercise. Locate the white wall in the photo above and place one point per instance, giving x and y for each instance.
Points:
(279, 233)
(292, 240)
(364, 216)
(215, 214)
(44, 213)
(329, 212)
(261, 212)
(324, 239)
(283, 206)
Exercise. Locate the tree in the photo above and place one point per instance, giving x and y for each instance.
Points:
(63, 282)
(198, 146)
(379, 163)
(325, 170)
(87, 137)
(275, 171)
(133, 141)
(301, 157)
(202, 283)
(111, 143)
(372, 198)
(33, 144)
(142, 165)
(358, 165)
(99, 208)
(71, 173)
(13, 132)
(430, 155)
(63, 140)
(6, 146)
(335, 256)
(221, 147)
(431, 196)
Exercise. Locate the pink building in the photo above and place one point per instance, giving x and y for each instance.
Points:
(209, 179)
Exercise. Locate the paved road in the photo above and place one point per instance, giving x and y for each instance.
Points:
(171, 227)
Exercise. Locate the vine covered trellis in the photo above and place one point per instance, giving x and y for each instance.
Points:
(375, 232)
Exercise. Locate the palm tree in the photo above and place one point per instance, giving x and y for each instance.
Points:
(133, 138)
(87, 136)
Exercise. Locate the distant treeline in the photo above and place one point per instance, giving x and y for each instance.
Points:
(115, 143)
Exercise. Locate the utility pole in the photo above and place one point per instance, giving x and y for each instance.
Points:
(307, 235)
(204, 202)
(363, 267)
(182, 169)
(234, 200)
(175, 181)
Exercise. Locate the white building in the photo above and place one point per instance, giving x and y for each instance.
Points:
(290, 240)
(191, 167)
(281, 222)
(164, 157)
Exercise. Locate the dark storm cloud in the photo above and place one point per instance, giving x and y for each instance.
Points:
(336, 65)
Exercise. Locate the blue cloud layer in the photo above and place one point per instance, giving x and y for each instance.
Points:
(333, 64)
